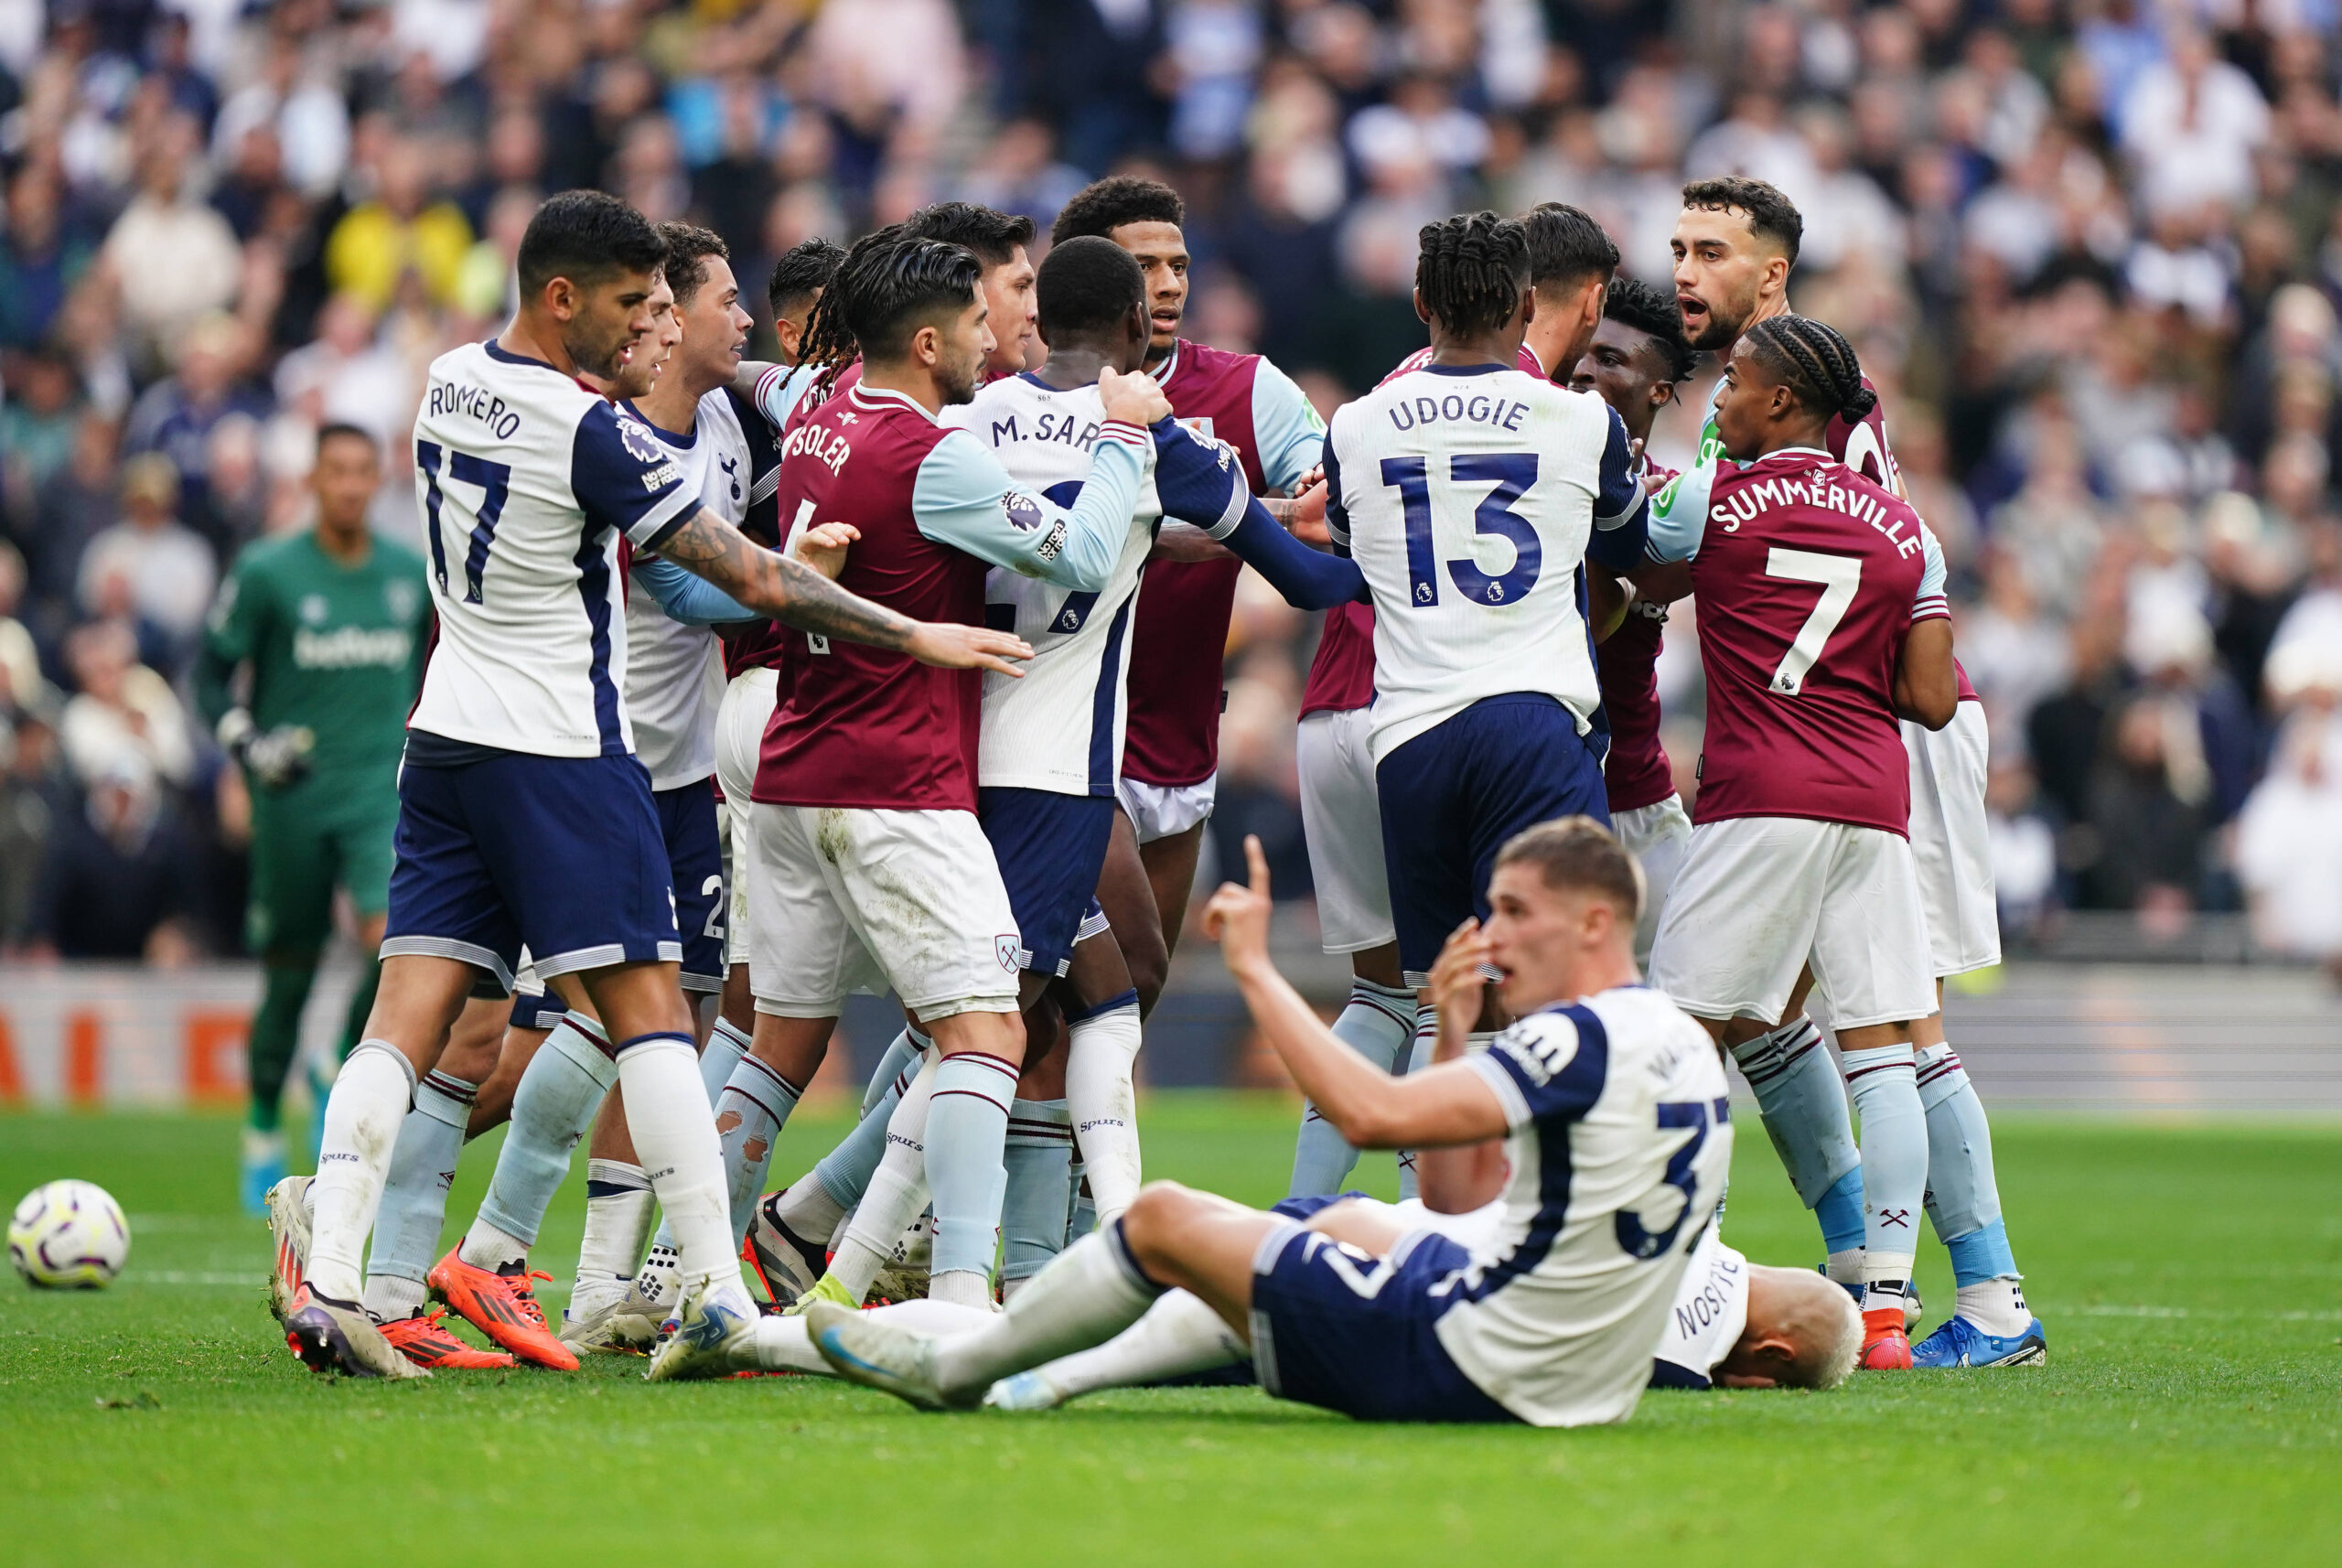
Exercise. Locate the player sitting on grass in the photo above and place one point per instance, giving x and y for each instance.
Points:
(1615, 1123)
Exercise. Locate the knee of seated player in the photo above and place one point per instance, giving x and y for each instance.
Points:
(1367, 1225)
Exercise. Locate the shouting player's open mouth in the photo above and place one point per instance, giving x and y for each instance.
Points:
(1695, 314)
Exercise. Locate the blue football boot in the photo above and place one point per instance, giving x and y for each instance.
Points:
(1959, 1343)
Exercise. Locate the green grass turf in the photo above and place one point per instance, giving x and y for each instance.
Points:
(2191, 1278)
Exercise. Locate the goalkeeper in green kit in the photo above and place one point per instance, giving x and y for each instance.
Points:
(326, 628)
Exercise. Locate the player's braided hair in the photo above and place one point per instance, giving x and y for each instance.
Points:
(1471, 269)
(829, 343)
(1816, 362)
(1634, 303)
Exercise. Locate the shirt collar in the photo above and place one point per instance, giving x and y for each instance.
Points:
(864, 395)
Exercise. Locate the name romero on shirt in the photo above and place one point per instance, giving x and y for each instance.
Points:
(453, 397)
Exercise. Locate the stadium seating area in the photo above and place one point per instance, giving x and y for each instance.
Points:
(2090, 249)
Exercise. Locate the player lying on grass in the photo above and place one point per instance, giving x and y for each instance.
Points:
(1734, 1324)
(1613, 1110)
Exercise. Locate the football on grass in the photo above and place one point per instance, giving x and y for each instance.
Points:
(68, 1234)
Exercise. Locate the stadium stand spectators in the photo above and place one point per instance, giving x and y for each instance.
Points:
(2089, 249)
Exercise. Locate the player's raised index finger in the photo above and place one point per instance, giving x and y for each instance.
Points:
(1256, 863)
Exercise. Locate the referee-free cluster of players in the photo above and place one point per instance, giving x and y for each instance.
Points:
(895, 667)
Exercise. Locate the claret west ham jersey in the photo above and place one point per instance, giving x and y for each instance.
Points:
(1468, 496)
(866, 727)
(1808, 578)
(1179, 633)
(1060, 727)
(508, 453)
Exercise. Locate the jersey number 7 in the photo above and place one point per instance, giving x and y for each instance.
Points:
(1839, 575)
(1508, 475)
(495, 483)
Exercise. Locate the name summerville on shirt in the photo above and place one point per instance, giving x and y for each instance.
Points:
(1747, 503)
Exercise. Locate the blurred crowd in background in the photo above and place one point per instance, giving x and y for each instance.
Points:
(2090, 251)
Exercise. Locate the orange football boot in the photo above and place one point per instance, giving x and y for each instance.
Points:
(1885, 1347)
(422, 1341)
(503, 1306)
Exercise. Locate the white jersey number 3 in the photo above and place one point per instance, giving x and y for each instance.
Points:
(1839, 575)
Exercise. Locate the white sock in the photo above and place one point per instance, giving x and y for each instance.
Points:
(960, 1287)
(413, 1206)
(808, 1209)
(1996, 1306)
(1846, 1268)
(617, 1217)
(371, 1098)
(1103, 1103)
(390, 1297)
(674, 1134)
(898, 1191)
(486, 1247)
(784, 1344)
(1092, 1291)
(1180, 1334)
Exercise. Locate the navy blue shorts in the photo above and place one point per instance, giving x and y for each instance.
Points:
(563, 853)
(1335, 1327)
(536, 1012)
(690, 819)
(1051, 849)
(1452, 796)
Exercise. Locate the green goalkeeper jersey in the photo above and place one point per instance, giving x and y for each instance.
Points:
(335, 648)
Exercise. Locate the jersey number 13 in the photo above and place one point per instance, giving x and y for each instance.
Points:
(1509, 476)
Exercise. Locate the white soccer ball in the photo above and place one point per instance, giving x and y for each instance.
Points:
(68, 1234)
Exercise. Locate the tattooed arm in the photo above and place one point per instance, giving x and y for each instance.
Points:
(796, 594)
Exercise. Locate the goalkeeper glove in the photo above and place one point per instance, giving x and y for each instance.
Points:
(273, 759)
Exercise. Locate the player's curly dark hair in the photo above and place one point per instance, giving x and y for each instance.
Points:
(1634, 303)
(1816, 362)
(804, 270)
(1771, 215)
(1104, 205)
(1566, 246)
(1471, 269)
(992, 236)
(688, 248)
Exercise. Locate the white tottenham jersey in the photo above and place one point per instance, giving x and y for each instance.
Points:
(1620, 1142)
(1710, 1312)
(1061, 728)
(1466, 497)
(525, 481)
(674, 673)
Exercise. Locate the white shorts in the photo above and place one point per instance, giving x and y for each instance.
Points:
(740, 722)
(1342, 823)
(1165, 810)
(1951, 843)
(847, 899)
(1658, 836)
(1758, 898)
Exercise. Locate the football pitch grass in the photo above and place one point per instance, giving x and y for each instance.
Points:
(2190, 1278)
